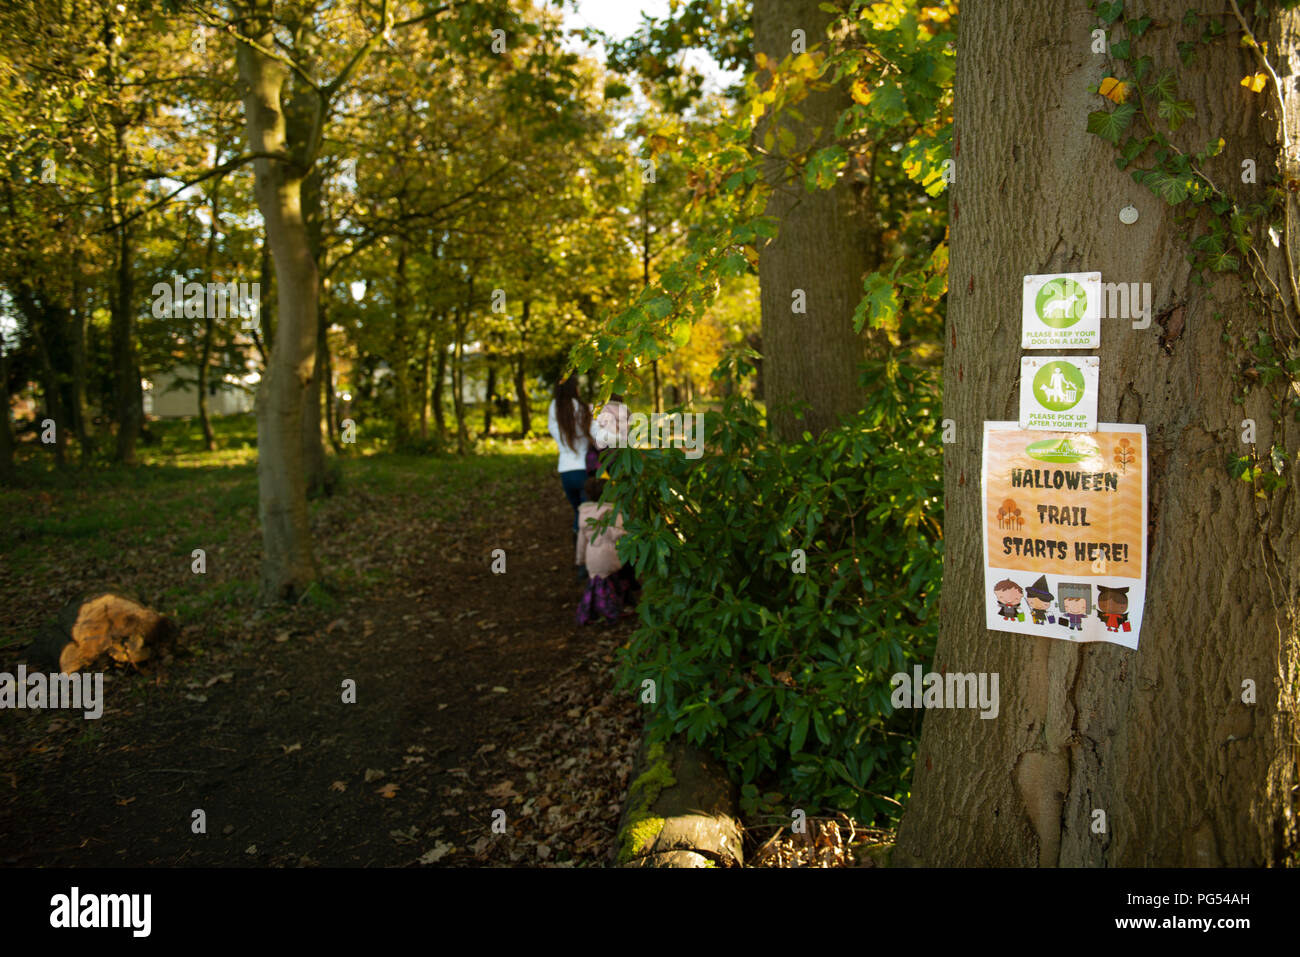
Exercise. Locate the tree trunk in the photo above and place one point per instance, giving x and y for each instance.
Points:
(399, 359)
(491, 394)
(458, 371)
(329, 398)
(288, 562)
(77, 392)
(521, 371)
(313, 439)
(47, 321)
(128, 395)
(209, 322)
(6, 420)
(1158, 739)
(458, 393)
(439, 376)
(426, 364)
(810, 275)
(521, 397)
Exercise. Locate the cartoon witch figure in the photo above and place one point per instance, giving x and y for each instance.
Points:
(1112, 607)
(1075, 600)
(1008, 595)
(1040, 599)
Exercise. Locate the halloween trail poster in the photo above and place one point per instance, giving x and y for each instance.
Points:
(1065, 532)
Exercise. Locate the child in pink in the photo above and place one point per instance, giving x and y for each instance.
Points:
(606, 588)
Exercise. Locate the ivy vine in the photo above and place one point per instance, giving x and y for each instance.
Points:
(1228, 234)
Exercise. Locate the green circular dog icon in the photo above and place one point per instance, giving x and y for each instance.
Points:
(1061, 303)
(1058, 386)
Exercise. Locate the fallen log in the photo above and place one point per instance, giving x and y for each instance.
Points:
(679, 812)
(105, 626)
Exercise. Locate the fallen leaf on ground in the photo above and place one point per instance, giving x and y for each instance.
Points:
(439, 851)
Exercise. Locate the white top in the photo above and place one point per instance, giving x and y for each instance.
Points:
(570, 459)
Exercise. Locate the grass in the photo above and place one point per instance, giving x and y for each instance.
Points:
(100, 524)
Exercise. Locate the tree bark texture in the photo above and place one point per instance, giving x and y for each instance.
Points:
(1158, 739)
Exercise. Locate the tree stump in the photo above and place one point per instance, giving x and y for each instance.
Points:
(106, 624)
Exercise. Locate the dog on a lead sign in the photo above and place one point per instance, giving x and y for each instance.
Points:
(1061, 311)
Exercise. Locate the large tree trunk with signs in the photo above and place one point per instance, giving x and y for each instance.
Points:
(1159, 739)
(810, 276)
(288, 563)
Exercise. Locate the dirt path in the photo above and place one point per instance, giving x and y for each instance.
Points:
(475, 692)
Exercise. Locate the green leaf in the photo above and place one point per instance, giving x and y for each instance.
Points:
(1110, 126)
(659, 307)
(880, 305)
(799, 733)
(1172, 189)
(1164, 87)
(888, 104)
(1175, 112)
(1132, 148)
(824, 167)
(1109, 11)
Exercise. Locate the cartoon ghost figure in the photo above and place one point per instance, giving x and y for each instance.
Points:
(1112, 607)
(1040, 599)
(1008, 595)
(1075, 601)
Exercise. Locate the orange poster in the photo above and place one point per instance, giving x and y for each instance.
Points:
(1065, 523)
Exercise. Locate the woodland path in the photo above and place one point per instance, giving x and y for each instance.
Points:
(474, 692)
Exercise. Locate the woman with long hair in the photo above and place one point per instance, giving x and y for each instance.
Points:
(569, 422)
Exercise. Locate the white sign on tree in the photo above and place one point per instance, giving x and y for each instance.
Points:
(1059, 393)
(1061, 311)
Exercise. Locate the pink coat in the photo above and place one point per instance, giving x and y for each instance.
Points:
(596, 547)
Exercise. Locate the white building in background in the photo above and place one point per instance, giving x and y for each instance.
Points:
(174, 394)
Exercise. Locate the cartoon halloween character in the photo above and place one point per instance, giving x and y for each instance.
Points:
(1040, 599)
(1112, 607)
(1008, 595)
(1075, 600)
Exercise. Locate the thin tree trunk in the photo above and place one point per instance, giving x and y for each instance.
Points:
(458, 372)
(521, 397)
(490, 393)
(520, 370)
(426, 363)
(6, 421)
(313, 439)
(458, 398)
(209, 321)
(439, 379)
(1159, 740)
(43, 318)
(77, 398)
(399, 356)
(129, 397)
(331, 400)
(288, 562)
(298, 113)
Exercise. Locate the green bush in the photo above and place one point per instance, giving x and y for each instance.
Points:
(785, 676)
